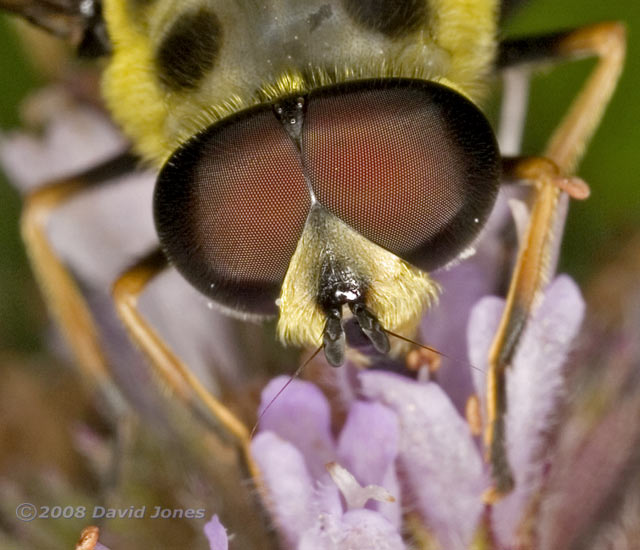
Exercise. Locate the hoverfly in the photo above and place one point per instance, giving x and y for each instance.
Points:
(316, 160)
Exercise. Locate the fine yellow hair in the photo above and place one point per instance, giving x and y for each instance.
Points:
(129, 85)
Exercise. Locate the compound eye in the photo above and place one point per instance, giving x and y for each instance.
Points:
(412, 165)
(230, 206)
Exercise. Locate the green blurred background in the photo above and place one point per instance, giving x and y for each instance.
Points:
(21, 311)
(595, 229)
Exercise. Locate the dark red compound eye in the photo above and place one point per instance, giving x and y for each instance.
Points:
(230, 206)
(412, 165)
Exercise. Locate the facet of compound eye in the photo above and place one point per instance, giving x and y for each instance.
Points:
(229, 208)
(411, 165)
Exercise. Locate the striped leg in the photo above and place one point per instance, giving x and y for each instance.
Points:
(537, 257)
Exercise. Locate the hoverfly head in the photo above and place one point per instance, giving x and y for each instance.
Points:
(344, 196)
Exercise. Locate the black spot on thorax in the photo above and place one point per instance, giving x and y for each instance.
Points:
(392, 18)
(317, 17)
(189, 49)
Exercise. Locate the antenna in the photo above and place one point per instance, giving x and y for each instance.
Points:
(291, 379)
(433, 350)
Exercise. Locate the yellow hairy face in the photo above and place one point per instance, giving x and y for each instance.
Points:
(398, 291)
(316, 157)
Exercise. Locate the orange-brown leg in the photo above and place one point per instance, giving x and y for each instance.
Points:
(66, 302)
(537, 256)
(170, 369)
(64, 299)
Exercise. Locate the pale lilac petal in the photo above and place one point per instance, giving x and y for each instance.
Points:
(76, 137)
(216, 534)
(291, 493)
(534, 388)
(366, 529)
(328, 499)
(368, 447)
(368, 443)
(101, 232)
(392, 511)
(98, 234)
(203, 337)
(443, 325)
(301, 416)
(355, 530)
(441, 468)
(483, 324)
(463, 285)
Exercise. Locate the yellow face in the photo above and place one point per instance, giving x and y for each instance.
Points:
(316, 158)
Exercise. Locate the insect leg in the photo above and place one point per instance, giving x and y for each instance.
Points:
(78, 21)
(537, 256)
(126, 292)
(64, 299)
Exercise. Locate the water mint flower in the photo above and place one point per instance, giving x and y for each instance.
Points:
(307, 505)
(407, 437)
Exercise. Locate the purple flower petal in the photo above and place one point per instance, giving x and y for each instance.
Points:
(328, 499)
(355, 530)
(301, 416)
(216, 534)
(483, 324)
(368, 443)
(462, 286)
(442, 469)
(534, 387)
(103, 231)
(202, 336)
(442, 326)
(392, 511)
(290, 488)
(367, 447)
(76, 137)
